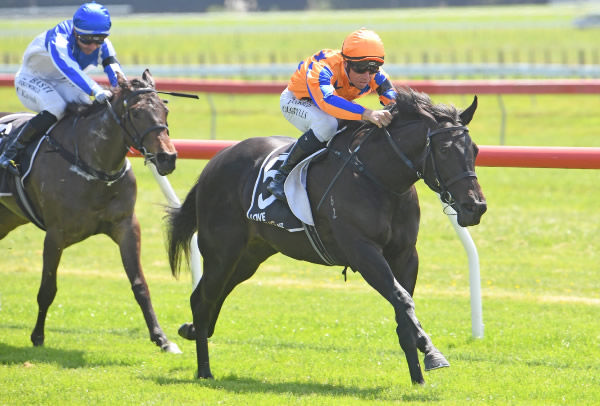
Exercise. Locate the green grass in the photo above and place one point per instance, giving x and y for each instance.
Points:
(296, 333)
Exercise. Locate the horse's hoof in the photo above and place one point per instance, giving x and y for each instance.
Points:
(205, 375)
(171, 348)
(37, 341)
(419, 382)
(187, 331)
(435, 360)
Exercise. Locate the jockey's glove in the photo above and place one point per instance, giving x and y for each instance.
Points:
(102, 95)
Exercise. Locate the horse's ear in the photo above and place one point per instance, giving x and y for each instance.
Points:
(147, 77)
(121, 79)
(467, 115)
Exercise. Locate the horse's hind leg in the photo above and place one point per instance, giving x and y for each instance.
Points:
(244, 269)
(9, 221)
(225, 266)
(128, 239)
(203, 302)
(53, 249)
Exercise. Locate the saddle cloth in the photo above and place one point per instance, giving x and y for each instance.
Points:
(26, 157)
(9, 184)
(265, 208)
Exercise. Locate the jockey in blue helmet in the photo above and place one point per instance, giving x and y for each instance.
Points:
(92, 19)
(53, 73)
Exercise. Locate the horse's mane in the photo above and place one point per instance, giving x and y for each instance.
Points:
(86, 110)
(410, 102)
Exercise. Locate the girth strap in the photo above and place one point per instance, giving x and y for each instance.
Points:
(23, 202)
(317, 244)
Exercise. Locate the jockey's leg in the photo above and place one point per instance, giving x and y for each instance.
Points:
(30, 132)
(306, 145)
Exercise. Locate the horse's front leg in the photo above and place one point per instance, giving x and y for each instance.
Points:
(367, 258)
(405, 268)
(127, 236)
(53, 249)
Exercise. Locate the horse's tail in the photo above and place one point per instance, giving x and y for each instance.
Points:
(181, 226)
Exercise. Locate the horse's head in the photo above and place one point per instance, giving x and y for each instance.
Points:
(143, 117)
(449, 167)
(443, 153)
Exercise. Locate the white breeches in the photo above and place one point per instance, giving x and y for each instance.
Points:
(52, 95)
(305, 115)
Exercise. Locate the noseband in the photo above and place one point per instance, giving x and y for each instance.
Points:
(137, 138)
(439, 184)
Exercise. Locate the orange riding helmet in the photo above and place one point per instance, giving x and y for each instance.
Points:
(363, 45)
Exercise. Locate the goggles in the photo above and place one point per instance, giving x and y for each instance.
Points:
(365, 66)
(91, 39)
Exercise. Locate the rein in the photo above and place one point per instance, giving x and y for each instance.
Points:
(440, 186)
(350, 157)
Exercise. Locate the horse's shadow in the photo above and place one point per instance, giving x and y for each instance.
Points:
(12, 355)
(69, 359)
(238, 384)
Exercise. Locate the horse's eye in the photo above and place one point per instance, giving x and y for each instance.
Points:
(445, 148)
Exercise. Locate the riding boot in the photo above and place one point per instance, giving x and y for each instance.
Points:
(306, 145)
(31, 131)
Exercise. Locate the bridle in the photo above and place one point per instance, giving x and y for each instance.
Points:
(91, 173)
(437, 183)
(137, 138)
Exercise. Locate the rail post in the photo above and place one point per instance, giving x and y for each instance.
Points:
(474, 275)
(173, 200)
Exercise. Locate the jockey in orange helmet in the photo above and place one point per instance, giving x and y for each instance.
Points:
(322, 90)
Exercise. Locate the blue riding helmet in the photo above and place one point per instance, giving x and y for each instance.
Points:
(91, 19)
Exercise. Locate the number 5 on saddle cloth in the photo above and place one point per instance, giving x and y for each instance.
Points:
(295, 214)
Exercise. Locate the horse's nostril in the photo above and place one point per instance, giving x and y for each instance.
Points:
(164, 158)
(468, 207)
(482, 208)
(165, 163)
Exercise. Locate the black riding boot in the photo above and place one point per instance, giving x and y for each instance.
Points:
(31, 131)
(306, 145)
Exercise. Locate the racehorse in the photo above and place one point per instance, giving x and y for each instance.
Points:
(81, 184)
(369, 221)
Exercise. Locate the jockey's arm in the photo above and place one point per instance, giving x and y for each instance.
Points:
(384, 88)
(63, 60)
(110, 63)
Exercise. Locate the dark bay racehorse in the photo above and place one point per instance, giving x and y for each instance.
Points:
(369, 220)
(81, 184)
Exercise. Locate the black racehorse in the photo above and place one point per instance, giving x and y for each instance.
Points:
(369, 220)
(81, 184)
